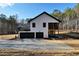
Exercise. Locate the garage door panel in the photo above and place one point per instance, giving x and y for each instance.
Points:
(27, 35)
(39, 34)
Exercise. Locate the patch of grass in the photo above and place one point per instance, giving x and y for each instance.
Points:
(11, 36)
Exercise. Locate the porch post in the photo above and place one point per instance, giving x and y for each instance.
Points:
(58, 28)
(53, 29)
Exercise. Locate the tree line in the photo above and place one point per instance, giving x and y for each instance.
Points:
(69, 18)
(8, 24)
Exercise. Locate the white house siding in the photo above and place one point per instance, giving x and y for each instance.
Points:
(39, 24)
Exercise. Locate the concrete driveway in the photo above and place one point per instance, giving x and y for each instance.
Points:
(33, 44)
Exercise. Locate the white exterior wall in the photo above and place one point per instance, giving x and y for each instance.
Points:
(39, 24)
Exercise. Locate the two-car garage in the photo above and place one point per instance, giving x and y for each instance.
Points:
(31, 35)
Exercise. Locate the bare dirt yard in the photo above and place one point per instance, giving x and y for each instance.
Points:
(37, 47)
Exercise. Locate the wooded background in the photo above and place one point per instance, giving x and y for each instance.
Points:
(69, 18)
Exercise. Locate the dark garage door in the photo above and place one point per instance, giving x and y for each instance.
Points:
(27, 35)
(39, 34)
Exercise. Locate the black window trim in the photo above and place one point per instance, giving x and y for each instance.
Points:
(44, 24)
(33, 24)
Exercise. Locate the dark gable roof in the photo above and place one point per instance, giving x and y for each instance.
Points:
(44, 13)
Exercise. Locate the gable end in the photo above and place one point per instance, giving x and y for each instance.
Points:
(46, 14)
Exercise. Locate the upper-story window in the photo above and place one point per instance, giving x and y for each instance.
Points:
(33, 25)
(44, 24)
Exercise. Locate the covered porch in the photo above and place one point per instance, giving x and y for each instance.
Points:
(53, 28)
